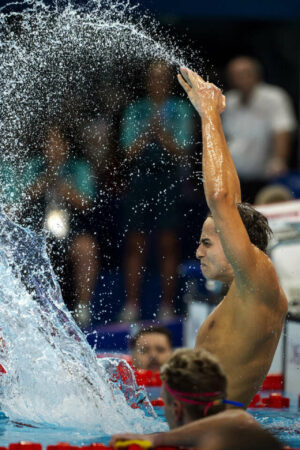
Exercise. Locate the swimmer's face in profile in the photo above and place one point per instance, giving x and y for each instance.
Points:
(214, 264)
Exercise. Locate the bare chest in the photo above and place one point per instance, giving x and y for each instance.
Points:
(216, 329)
(236, 329)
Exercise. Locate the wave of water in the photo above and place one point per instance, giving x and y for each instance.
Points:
(53, 375)
(50, 58)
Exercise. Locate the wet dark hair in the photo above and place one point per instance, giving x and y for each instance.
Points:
(256, 224)
(161, 330)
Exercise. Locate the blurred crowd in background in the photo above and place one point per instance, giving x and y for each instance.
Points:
(121, 194)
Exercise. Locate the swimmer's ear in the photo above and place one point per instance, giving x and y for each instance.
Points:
(178, 411)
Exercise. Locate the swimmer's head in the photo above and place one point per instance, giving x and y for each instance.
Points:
(193, 373)
(214, 263)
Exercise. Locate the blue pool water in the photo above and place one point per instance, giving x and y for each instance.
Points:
(54, 382)
(285, 424)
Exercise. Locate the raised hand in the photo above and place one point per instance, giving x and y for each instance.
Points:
(205, 97)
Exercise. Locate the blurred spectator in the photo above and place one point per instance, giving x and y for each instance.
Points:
(151, 348)
(156, 132)
(99, 145)
(59, 200)
(16, 175)
(258, 123)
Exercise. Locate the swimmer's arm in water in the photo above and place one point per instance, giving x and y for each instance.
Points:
(252, 268)
(189, 435)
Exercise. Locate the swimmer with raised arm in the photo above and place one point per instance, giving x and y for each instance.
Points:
(244, 329)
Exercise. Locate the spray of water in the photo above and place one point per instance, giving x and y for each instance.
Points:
(51, 59)
(53, 375)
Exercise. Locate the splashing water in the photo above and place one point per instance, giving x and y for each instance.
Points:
(53, 58)
(53, 375)
(50, 58)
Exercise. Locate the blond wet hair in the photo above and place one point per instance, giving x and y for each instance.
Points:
(195, 372)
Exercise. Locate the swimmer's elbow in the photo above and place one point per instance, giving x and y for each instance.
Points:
(218, 198)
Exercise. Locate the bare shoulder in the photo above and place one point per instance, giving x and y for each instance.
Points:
(236, 416)
(240, 416)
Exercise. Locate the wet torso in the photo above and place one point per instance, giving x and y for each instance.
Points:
(243, 333)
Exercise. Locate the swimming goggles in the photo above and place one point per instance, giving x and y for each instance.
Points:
(193, 398)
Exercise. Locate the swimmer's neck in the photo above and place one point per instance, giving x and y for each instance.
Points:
(225, 288)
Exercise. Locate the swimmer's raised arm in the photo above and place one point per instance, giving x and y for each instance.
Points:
(220, 176)
(251, 266)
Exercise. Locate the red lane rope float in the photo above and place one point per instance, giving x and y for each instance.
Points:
(274, 400)
(23, 445)
(148, 378)
(273, 382)
(158, 402)
(67, 446)
(130, 445)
